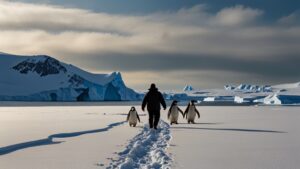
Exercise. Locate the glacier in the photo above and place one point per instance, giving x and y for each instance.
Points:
(43, 78)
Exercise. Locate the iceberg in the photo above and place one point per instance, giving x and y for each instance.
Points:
(238, 99)
(188, 88)
(269, 100)
(209, 99)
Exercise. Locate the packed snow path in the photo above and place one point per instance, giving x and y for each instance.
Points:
(146, 150)
(50, 139)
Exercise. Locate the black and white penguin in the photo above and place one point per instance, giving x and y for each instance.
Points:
(190, 112)
(133, 117)
(174, 112)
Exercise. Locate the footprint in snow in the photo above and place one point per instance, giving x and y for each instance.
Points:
(146, 150)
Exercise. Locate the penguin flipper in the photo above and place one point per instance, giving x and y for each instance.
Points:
(128, 116)
(138, 117)
(181, 112)
(169, 113)
(187, 109)
(197, 113)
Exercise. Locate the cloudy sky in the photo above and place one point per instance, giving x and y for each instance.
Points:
(206, 43)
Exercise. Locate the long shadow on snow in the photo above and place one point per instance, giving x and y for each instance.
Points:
(49, 139)
(230, 129)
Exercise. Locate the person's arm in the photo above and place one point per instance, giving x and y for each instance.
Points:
(197, 112)
(181, 111)
(163, 102)
(138, 117)
(145, 101)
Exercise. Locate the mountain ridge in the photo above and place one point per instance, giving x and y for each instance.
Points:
(44, 78)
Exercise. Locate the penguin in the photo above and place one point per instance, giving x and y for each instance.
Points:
(173, 112)
(133, 117)
(190, 112)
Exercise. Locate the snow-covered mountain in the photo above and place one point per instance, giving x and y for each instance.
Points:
(43, 78)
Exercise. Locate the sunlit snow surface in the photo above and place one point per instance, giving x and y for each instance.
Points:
(92, 135)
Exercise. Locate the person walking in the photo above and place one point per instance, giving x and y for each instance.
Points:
(153, 99)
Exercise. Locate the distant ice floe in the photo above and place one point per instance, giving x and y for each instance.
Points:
(209, 99)
(277, 99)
(269, 100)
(238, 99)
(243, 94)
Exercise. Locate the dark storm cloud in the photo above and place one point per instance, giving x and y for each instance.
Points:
(281, 67)
(274, 9)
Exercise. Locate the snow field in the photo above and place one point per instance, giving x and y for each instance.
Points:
(94, 137)
(88, 150)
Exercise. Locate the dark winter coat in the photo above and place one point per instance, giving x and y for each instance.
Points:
(153, 99)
